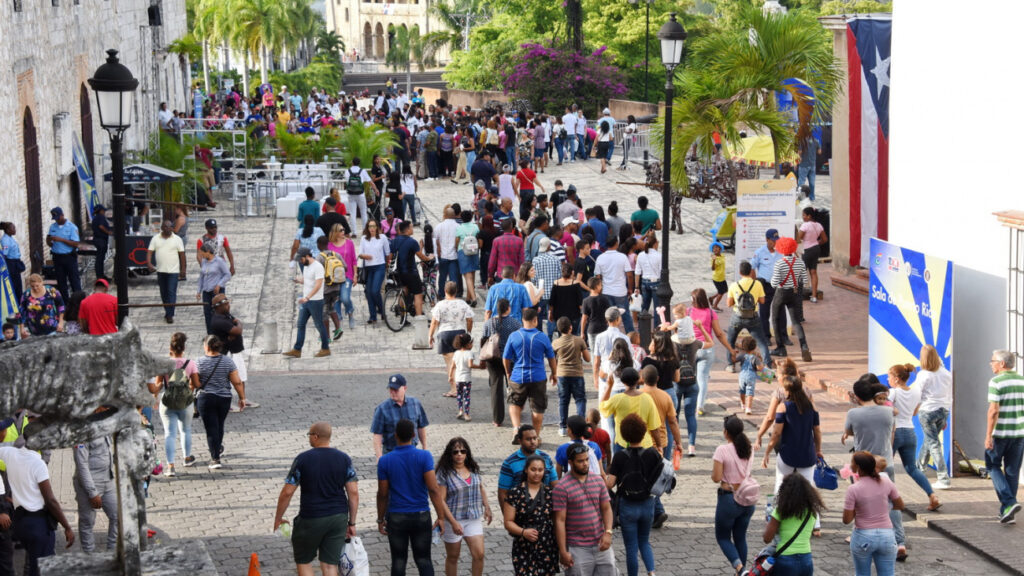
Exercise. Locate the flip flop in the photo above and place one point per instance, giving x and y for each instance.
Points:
(448, 395)
(931, 509)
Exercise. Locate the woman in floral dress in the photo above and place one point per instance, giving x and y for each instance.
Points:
(527, 513)
(42, 309)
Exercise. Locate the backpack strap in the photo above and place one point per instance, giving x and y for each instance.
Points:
(791, 273)
(780, 550)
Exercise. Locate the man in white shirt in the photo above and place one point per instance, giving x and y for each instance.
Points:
(34, 502)
(169, 252)
(448, 257)
(311, 304)
(617, 276)
(581, 134)
(165, 117)
(356, 179)
(569, 120)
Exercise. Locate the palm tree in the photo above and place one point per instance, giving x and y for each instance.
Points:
(458, 16)
(363, 142)
(262, 28)
(330, 42)
(409, 47)
(774, 48)
(202, 24)
(301, 26)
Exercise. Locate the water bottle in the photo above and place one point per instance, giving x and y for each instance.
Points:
(284, 530)
(768, 563)
(435, 539)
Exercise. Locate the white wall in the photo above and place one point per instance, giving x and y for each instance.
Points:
(952, 165)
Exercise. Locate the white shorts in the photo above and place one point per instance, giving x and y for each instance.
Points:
(240, 361)
(470, 528)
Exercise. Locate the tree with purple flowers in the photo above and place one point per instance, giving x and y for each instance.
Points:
(553, 76)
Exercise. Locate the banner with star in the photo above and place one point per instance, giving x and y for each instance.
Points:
(868, 49)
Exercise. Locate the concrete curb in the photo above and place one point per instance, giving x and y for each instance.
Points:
(924, 518)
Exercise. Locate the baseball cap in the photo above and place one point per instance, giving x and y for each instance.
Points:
(606, 111)
(481, 184)
(771, 234)
(544, 245)
(302, 253)
(569, 220)
(56, 212)
(579, 426)
(99, 208)
(396, 381)
(211, 223)
(102, 282)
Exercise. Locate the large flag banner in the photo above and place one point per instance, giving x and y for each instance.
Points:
(8, 307)
(85, 178)
(911, 304)
(868, 43)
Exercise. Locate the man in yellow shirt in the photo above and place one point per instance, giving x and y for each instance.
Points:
(632, 401)
(745, 295)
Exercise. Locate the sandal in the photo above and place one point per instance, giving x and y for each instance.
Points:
(449, 395)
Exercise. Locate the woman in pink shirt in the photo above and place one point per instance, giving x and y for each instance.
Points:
(867, 505)
(343, 246)
(812, 236)
(700, 310)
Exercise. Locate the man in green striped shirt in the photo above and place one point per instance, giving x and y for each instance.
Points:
(1004, 438)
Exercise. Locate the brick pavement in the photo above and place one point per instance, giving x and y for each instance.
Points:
(233, 509)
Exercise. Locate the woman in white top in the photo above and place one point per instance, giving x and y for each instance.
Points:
(508, 185)
(628, 136)
(906, 400)
(525, 276)
(409, 187)
(936, 384)
(648, 268)
(375, 252)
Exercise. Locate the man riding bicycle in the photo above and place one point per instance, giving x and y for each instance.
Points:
(406, 250)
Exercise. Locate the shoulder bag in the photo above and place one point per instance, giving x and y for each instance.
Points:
(758, 568)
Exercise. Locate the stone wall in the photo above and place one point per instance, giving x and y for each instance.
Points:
(50, 48)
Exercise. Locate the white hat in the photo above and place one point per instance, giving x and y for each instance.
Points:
(607, 111)
(544, 245)
(569, 220)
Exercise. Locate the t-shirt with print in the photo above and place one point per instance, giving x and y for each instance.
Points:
(451, 314)
(870, 498)
(310, 274)
(462, 360)
(872, 429)
(321, 475)
(569, 352)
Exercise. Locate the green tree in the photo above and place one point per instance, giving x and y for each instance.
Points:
(363, 142)
(458, 17)
(409, 47)
(262, 27)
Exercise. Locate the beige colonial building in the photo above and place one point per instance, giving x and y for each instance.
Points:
(363, 24)
(48, 50)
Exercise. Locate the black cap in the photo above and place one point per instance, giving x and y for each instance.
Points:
(302, 253)
(211, 223)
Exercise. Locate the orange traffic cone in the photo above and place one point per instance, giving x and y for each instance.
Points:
(254, 565)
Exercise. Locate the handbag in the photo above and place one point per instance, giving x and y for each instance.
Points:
(361, 275)
(825, 476)
(749, 490)
(489, 349)
(758, 568)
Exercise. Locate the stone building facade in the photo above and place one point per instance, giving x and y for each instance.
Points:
(363, 24)
(48, 50)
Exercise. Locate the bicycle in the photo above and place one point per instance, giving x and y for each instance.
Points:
(398, 303)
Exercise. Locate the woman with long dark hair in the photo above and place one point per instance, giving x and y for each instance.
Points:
(636, 514)
(375, 252)
(867, 506)
(458, 477)
(700, 311)
(732, 465)
(797, 498)
(527, 514)
(663, 357)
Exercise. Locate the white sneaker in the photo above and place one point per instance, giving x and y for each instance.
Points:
(942, 485)
(813, 299)
(561, 432)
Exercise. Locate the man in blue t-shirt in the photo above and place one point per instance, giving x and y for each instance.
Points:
(63, 242)
(406, 250)
(524, 357)
(405, 481)
(511, 472)
(328, 504)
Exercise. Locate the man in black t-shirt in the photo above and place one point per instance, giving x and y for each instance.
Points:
(406, 250)
(229, 330)
(328, 219)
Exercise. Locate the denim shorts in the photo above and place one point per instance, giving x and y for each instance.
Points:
(748, 381)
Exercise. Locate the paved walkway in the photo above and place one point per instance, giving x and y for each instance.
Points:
(232, 509)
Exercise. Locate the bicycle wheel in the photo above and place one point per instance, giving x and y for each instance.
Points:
(395, 311)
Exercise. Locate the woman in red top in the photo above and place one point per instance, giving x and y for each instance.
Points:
(528, 185)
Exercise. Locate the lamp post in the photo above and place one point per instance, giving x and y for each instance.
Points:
(115, 87)
(672, 36)
(647, 44)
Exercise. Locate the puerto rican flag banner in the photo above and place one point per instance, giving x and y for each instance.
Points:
(868, 48)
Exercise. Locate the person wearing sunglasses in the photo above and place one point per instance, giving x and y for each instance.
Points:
(458, 477)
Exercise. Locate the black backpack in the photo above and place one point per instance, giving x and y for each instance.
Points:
(177, 393)
(746, 304)
(634, 486)
(354, 184)
(687, 375)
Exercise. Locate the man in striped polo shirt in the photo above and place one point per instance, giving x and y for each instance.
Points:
(1004, 438)
(583, 518)
(788, 278)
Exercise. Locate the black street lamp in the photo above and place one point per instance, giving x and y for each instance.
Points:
(115, 87)
(672, 36)
(647, 43)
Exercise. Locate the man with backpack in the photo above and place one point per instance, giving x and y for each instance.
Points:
(356, 178)
(334, 279)
(745, 296)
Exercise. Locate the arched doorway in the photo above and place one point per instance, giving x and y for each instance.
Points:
(33, 200)
(378, 34)
(367, 41)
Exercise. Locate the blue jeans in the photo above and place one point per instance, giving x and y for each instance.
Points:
(571, 387)
(168, 284)
(753, 326)
(932, 423)
(172, 420)
(731, 521)
(649, 291)
(904, 443)
(560, 147)
(431, 164)
(1003, 464)
(705, 358)
(405, 530)
(611, 149)
(581, 146)
(447, 270)
(570, 147)
(627, 318)
(795, 565)
(635, 520)
(470, 158)
(896, 516)
(686, 397)
(312, 309)
(510, 157)
(344, 299)
(875, 545)
(671, 442)
(409, 202)
(806, 172)
(374, 299)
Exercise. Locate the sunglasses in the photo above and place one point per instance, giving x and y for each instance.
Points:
(459, 451)
(576, 449)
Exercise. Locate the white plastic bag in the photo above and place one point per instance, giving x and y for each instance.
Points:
(354, 561)
(636, 302)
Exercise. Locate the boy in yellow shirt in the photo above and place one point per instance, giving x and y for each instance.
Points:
(718, 274)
